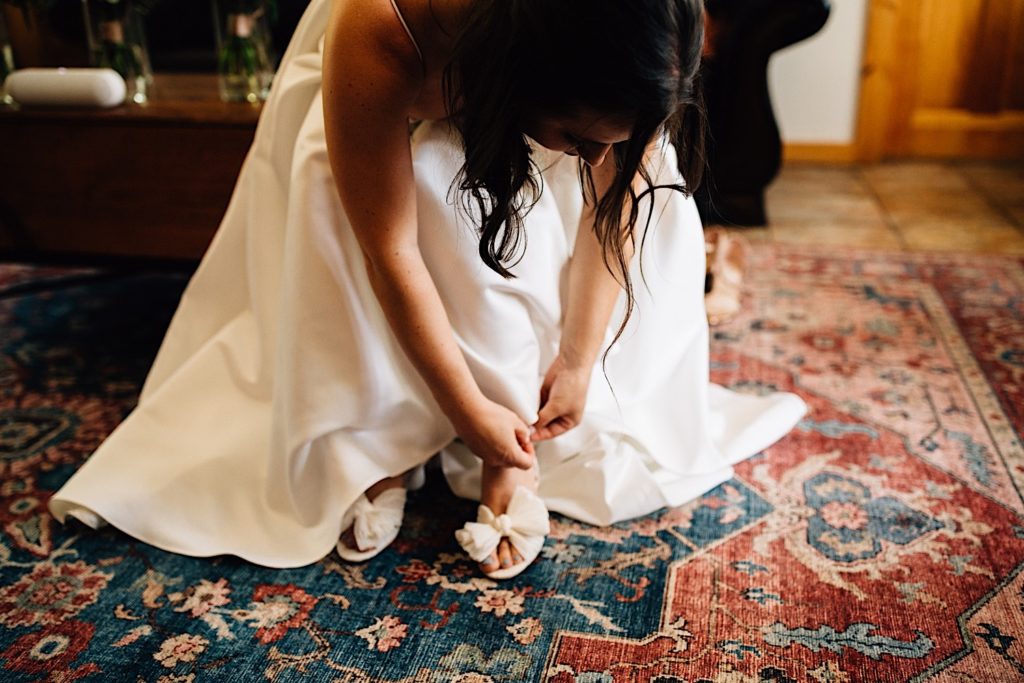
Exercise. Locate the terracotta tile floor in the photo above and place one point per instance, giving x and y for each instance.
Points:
(915, 205)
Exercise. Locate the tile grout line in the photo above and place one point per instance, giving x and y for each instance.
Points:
(858, 192)
(992, 204)
(890, 222)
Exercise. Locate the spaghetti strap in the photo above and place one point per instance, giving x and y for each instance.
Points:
(405, 25)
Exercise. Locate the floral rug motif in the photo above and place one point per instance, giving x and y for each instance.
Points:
(882, 540)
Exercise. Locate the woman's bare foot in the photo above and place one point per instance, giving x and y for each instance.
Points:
(496, 489)
(348, 536)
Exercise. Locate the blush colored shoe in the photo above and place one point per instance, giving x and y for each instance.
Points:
(525, 523)
(726, 265)
(375, 524)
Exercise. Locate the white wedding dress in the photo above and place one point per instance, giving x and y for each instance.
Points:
(280, 393)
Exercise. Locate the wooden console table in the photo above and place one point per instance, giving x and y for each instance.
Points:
(147, 180)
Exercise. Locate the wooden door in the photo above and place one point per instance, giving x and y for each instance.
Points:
(943, 78)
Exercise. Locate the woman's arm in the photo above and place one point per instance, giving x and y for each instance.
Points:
(370, 81)
(593, 291)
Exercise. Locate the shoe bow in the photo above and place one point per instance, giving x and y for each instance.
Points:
(377, 520)
(525, 524)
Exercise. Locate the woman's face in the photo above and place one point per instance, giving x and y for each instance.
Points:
(584, 133)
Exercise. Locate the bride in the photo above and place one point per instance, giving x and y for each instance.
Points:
(518, 285)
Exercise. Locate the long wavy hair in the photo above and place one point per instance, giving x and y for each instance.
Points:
(634, 60)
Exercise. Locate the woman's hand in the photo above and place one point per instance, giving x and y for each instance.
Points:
(496, 435)
(563, 396)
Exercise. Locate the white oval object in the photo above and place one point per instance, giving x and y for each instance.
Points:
(72, 87)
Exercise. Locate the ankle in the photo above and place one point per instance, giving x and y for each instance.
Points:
(383, 485)
(497, 484)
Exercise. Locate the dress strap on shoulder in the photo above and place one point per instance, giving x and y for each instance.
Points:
(405, 25)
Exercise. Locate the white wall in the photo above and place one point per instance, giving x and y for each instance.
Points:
(814, 84)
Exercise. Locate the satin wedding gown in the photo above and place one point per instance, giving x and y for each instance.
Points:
(280, 393)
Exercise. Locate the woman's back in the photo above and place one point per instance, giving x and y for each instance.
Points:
(394, 45)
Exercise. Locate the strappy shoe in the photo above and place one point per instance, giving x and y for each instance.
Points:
(375, 524)
(726, 264)
(525, 523)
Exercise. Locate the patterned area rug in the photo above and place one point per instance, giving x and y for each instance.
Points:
(881, 541)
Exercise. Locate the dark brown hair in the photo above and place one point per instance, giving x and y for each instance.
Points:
(637, 60)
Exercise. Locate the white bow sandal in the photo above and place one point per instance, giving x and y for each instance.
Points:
(727, 256)
(375, 524)
(525, 524)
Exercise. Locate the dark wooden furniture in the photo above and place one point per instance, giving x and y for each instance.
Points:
(139, 181)
(744, 148)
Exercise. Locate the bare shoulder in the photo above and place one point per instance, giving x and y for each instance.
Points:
(366, 50)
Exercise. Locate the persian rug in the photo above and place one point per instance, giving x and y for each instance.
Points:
(882, 540)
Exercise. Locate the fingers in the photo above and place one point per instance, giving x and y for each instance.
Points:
(549, 413)
(559, 423)
(522, 457)
(517, 458)
(555, 428)
(549, 380)
(521, 460)
(523, 438)
(515, 452)
(561, 426)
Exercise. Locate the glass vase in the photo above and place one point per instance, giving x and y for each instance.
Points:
(245, 58)
(117, 41)
(6, 61)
